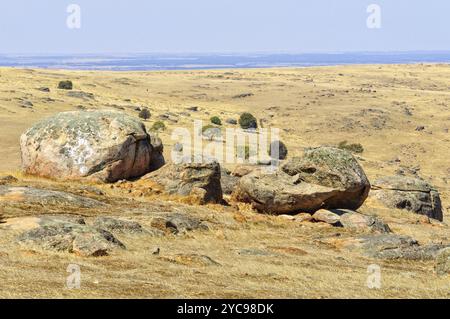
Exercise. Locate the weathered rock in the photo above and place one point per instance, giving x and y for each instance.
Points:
(178, 223)
(412, 194)
(362, 222)
(201, 180)
(101, 145)
(392, 246)
(231, 121)
(242, 170)
(228, 181)
(333, 168)
(64, 236)
(443, 262)
(324, 178)
(30, 195)
(327, 216)
(118, 225)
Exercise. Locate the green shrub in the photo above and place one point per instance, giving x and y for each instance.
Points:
(247, 121)
(65, 85)
(216, 120)
(145, 114)
(282, 150)
(158, 126)
(353, 148)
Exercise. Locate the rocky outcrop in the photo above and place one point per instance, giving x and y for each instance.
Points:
(393, 246)
(412, 194)
(324, 177)
(67, 236)
(44, 197)
(102, 145)
(201, 180)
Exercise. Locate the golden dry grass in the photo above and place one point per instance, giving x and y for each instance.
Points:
(312, 106)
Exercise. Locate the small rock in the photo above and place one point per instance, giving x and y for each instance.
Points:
(303, 217)
(327, 216)
(362, 222)
(231, 121)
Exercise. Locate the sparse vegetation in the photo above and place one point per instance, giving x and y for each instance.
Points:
(216, 120)
(158, 126)
(352, 148)
(65, 85)
(145, 114)
(248, 121)
(282, 149)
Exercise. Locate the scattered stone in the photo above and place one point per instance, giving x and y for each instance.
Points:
(325, 177)
(228, 181)
(201, 180)
(26, 104)
(192, 108)
(69, 237)
(412, 194)
(81, 95)
(392, 247)
(443, 262)
(420, 128)
(105, 146)
(45, 197)
(44, 89)
(242, 170)
(178, 223)
(118, 225)
(359, 221)
(178, 147)
(231, 121)
(243, 95)
(327, 216)
(303, 217)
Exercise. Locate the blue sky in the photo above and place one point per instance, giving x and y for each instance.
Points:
(141, 26)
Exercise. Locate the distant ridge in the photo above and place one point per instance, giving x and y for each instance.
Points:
(165, 61)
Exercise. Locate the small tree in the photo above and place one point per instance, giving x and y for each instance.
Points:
(65, 85)
(216, 120)
(145, 114)
(282, 150)
(158, 126)
(353, 148)
(248, 121)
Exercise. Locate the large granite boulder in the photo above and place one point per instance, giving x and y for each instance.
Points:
(409, 193)
(324, 177)
(102, 145)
